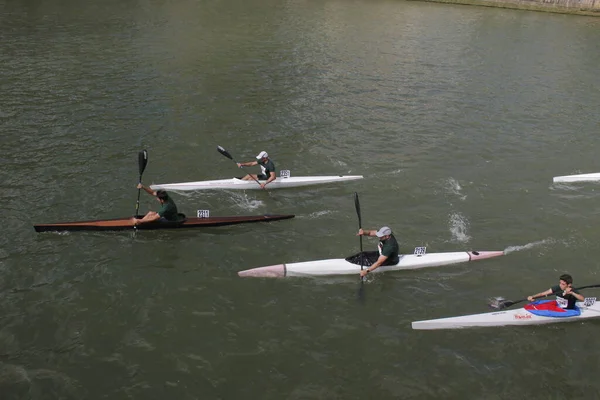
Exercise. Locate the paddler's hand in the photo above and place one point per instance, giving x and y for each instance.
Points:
(568, 290)
(262, 185)
(364, 273)
(134, 221)
(360, 232)
(239, 165)
(530, 299)
(140, 186)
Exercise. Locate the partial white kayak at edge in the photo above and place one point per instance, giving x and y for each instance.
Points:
(577, 178)
(519, 316)
(236, 183)
(339, 266)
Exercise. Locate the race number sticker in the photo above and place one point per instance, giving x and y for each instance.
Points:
(420, 251)
(285, 173)
(562, 303)
(589, 301)
(203, 213)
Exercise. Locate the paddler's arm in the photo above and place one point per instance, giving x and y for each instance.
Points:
(146, 189)
(540, 294)
(579, 297)
(272, 177)
(247, 164)
(373, 267)
(362, 232)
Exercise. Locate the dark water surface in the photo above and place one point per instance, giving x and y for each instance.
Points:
(458, 117)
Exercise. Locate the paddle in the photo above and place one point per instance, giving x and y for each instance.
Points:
(142, 162)
(361, 289)
(226, 154)
(500, 304)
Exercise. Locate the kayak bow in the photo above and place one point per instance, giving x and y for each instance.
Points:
(120, 224)
(343, 267)
(577, 178)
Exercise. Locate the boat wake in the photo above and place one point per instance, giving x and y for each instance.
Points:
(458, 228)
(453, 187)
(242, 200)
(511, 249)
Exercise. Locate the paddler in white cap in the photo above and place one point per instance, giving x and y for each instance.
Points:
(387, 246)
(267, 167)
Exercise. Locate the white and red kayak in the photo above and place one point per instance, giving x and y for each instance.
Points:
(577, 178)
(239, 184)
(520, 316)
(340, 266)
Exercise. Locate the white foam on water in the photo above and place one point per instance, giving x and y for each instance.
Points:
(242, 200)
(453, 187)
(511, 249)
(318, 214)
(458, 228)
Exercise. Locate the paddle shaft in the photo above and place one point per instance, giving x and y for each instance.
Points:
(142, 162)
(226, 154)
(361, 289)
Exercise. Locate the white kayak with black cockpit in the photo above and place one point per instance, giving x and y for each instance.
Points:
(351, 265)
(285, 180)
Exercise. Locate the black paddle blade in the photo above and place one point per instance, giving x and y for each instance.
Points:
(142, 161)
(224, 152)
(357, 206)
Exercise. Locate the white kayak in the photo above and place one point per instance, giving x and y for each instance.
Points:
(340, 266)
(577, 178)
(236, 183)
(520, 316)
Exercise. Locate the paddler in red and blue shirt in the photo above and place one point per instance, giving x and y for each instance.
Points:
(564, 291)
(387, 246)
(267, 168)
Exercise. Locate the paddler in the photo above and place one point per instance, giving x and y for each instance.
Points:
(563, 290)
(387, 246)
(167, 212)
(267, 169)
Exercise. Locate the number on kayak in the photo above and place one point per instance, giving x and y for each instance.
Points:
(420, 251)
(203, 213)
(285, 173)
(589, 301)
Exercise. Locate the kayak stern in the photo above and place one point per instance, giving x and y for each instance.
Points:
(482, 255)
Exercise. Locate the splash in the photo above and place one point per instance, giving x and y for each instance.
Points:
(453, 187)
(511, 249)
(318, 214)
(458, 228)
(242, 200)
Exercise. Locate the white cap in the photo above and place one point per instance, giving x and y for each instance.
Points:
(384, 231)
(262, 155)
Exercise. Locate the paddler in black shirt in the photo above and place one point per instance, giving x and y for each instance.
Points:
(387, 246)
(267, 168)
(562, 290)
(167, 212)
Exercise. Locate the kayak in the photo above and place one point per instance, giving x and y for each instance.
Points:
(341, 266)
(237, 183)
(577, 178)
(121, 224)
(520, 316)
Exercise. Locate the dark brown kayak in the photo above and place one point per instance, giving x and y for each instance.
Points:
(122, 224)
